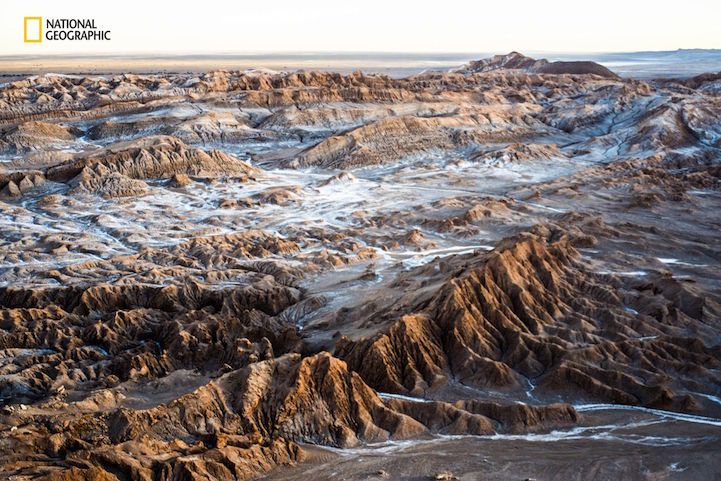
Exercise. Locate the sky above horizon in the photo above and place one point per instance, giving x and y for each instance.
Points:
(214, 26)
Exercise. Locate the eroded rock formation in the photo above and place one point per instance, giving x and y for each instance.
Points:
(201, 275)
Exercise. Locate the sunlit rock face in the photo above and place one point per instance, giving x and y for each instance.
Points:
(202, 275)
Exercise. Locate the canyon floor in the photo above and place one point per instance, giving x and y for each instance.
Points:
(510, 270)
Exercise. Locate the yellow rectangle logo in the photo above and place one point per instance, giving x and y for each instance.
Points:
(33, 29)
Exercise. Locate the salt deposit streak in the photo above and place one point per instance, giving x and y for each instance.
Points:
(605, 433)
(387, 395)
(690, 418)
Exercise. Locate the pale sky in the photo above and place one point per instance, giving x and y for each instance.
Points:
(214, 26)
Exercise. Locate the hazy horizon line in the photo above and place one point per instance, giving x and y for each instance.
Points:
(335, 53)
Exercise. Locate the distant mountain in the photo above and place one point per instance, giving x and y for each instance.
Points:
(518, 61)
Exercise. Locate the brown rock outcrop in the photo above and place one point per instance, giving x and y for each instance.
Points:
(34, 135)
(102, 181)
(516, 313)
(399, 137)
(248, 421)
(517, 61)
(154, 158)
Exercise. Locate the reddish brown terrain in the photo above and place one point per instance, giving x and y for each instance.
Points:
(507, 271)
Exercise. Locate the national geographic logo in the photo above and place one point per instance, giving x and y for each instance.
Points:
(63, 29)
